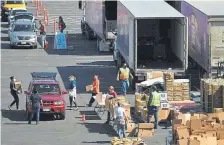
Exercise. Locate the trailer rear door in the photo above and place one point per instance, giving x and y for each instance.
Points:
(216, 42)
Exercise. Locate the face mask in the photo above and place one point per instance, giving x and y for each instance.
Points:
(14, 80)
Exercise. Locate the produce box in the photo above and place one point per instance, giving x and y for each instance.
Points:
(89, 87)
(18, 86)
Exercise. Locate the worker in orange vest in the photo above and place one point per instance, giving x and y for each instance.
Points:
(123, 76)
(95, 89)
(43, 31)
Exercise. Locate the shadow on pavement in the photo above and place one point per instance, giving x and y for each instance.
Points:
(99, 63)
(5, 45)
(100, 128)
(84, 76)
(96, 142)
(79, 44)
(90, 115)
(14, 115)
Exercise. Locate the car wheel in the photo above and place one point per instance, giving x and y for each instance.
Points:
(62, 116)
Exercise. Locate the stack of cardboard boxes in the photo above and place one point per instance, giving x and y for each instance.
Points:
(198, 129)
(212, 94)
(177, 89)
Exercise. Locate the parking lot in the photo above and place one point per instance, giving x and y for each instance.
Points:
(84, 61)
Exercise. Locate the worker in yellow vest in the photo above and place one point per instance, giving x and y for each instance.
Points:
(153, 106)
(123, 76)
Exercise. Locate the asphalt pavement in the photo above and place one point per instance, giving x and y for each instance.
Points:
(84, 61)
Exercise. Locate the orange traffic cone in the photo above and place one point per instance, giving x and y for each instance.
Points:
(83, 117)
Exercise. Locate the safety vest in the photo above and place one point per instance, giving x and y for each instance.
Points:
(155, 99)
(124, 73)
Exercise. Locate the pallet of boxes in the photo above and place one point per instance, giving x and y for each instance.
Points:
(198, 129)
(111, 104)
(212, 95)
(177, 89)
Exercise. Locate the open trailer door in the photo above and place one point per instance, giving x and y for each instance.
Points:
(186, 43)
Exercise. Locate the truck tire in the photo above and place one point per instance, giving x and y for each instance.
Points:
(62, 116)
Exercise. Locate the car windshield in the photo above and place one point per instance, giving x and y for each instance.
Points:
(14, 2)
(23, 28)
(15, 11)
(29, 17)
(47, 88)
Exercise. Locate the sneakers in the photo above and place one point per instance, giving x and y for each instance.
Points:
(76, 108)
(9, 107)
(70, 108)
(37, 122)
(29, 122)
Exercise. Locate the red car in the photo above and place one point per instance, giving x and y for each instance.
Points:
(50, 90)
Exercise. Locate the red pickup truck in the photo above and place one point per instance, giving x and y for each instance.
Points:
(50, 90)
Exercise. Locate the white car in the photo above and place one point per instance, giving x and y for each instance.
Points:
(13, 12)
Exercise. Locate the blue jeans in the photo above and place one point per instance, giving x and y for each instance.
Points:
(36, 110)
(43, 40)
(153, 111)
(124, 86)
(121, 128)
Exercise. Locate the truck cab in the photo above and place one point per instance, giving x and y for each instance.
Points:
(50, 90)
(99, 22)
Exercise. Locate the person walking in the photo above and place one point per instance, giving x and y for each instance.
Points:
(112, 94)
(13, 92)
(43, 31)
(72, 98)
(36, 100)
(123, 76)
(61, 24)
(120, 120)
(95, 90)
(72, 93)
(153, 106)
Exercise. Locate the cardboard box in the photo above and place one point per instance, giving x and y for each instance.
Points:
(163, 114)
(182, 142)
(182, 133)
(88, 88)
(195, 124)
(220, 142)
(18, 86)
(142, 133)
(145, 125)
(155, 74)
(194, 142)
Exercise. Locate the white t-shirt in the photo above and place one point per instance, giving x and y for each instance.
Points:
(119, 111)
(73, 93)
